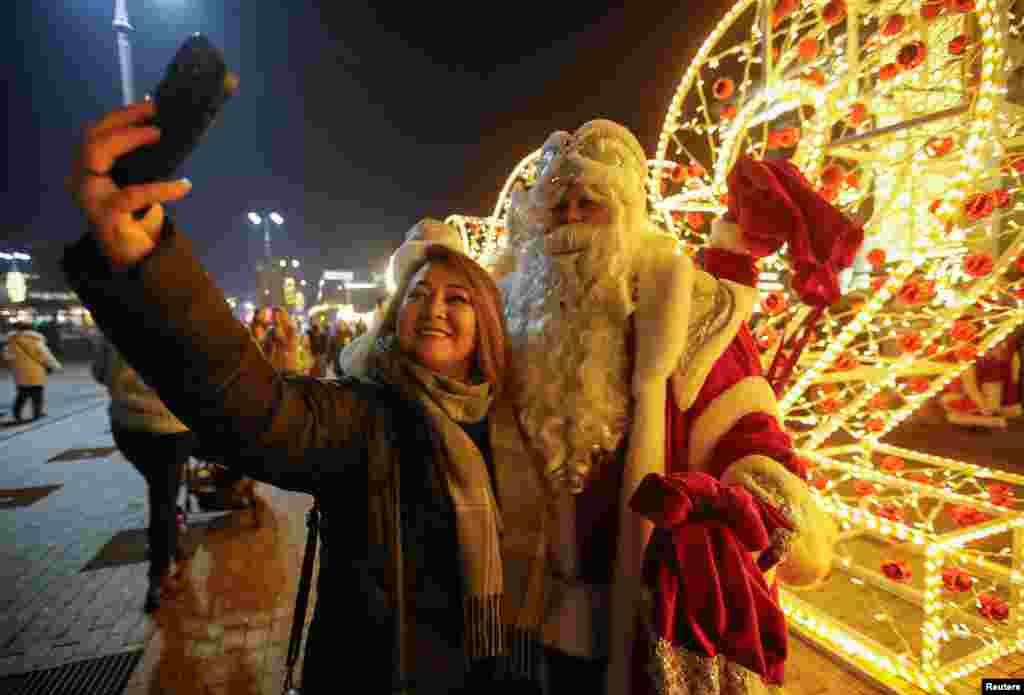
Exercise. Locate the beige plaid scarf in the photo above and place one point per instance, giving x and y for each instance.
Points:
(506, 594)
(477, 520)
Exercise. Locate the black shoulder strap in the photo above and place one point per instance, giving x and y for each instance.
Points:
(302, 599)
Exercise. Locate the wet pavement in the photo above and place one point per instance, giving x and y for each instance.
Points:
(227, 630)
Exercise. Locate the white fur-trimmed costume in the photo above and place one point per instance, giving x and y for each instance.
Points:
(697, 392)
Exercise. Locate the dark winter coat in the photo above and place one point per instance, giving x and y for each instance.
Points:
(359, 447)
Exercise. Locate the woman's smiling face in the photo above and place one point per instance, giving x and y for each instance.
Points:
(437, 321)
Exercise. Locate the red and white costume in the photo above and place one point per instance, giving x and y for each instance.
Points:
(694, 610)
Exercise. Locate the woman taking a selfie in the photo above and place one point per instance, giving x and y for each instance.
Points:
(401, 464)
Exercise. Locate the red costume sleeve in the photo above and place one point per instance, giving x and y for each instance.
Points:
(755, 433)
(741, 268)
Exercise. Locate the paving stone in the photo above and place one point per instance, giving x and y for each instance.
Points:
(140, 631)
(10, 665)
(219, 669)
(280, 631)
(234, 638)
(260, 619)
(256, 638)
(206, 649)
(37, 656)
(93, 644)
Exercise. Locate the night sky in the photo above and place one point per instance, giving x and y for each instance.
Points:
(352, 122)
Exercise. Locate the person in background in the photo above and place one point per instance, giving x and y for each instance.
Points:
(258, 328)
(305, 361)
(282, 343)
(338, 342)
(32, 362)
(987, 394)
(318, 343)
(159, 445)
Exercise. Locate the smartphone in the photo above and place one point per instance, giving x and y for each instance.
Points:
(188, 99)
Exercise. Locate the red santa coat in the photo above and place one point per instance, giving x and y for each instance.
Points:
(721, 419)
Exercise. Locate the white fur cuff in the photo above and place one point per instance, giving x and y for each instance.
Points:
(808, 560)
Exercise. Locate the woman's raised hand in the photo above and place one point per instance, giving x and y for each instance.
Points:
(122, 238)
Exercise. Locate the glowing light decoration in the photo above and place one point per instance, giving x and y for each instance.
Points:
(487, 237)
(919, 155)
(524, 173)
(956, 533)
(898, 113)
(484, 237)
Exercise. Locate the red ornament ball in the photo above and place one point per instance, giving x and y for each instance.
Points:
(932, 9)
(893, 25)
(960, 6)
(723, 88)
(808, 48)
(939, 146)
(858, 114)
(833, 175)
(888, 71)
(834, 12)
(912, 55)
(876, 258)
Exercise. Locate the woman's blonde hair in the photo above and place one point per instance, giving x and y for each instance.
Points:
(486, 300)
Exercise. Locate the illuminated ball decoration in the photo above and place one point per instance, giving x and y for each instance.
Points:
(898, 115)
(901, 114)
(484, 237)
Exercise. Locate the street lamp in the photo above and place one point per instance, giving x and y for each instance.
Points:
(123, 30)
(265, 222)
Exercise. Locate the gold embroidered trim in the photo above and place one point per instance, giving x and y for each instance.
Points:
(678, 671)
(780, 541)
(769, 491)
(739, 680)
(708, 324)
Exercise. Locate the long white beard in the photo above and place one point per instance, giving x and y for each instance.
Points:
(567, 320)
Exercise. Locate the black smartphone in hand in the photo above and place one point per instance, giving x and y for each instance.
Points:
(188, 99)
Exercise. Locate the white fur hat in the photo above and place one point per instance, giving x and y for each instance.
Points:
(600, 153)
(424, 233)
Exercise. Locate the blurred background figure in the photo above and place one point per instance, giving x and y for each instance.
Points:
(32, 362)
(259, 327)
(988, 392)
(318, 346)
(339, 341)
(281, 345)
(159, 445)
